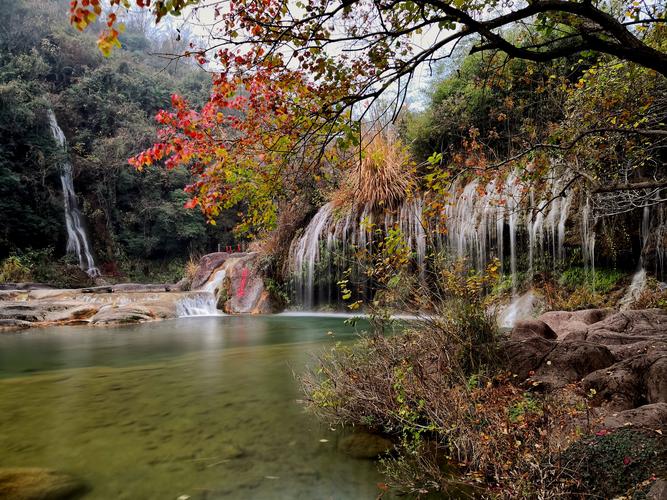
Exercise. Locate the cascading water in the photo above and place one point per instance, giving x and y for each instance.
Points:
(215, 281)
(77, 239)
(588, 238)
(639, 278)
(477, 224)
(200, 304)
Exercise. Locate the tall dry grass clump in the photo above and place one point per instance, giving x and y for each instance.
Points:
(382, 178)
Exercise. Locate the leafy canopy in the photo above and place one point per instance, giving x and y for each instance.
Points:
(291, 76)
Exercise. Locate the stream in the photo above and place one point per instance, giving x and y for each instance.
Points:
(191, 408)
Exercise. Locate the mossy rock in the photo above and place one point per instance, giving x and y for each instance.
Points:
(613, 464)
(38, 484)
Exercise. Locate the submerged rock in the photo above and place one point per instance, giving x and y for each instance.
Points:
(38, 484)
(12, 325)
(365, 445)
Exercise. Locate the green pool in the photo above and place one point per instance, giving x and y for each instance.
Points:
(198, 408)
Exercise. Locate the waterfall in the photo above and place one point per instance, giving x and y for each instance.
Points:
(306, 255)
(482, 221)
(77, 239)
(521, 307)
(201, 304)
(562, 220)
(634, 290)
(639, 278)
(215, 281)
(588, 238)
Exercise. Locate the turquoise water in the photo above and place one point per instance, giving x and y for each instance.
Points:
(199, 408)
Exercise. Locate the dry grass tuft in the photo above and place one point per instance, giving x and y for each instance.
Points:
(382, 179)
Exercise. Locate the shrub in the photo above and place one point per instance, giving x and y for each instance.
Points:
(609, 464)
(598, 281)
(455, 427)
(13, 270)
(652, 296)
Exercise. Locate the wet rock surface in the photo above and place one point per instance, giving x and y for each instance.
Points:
(207, 265)
(100, 306)
(243, 289)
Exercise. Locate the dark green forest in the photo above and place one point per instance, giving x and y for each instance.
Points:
(105, 106)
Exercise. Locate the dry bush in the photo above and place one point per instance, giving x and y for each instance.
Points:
(454, 426)
(191, 267)
(439, 389)
(382, 179)
(274, 246)
(652, 296)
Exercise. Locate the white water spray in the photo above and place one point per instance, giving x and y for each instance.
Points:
(200, 304)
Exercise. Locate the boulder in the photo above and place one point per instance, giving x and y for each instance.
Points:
(655, 380)
(246, 292)
(365, 445)
(573, 324)
(128, 313)
(526, 328)
(207, 265)
(569, 362)
(631, 382)
(23, 311)
(658, 491)
(239, 284)
(651, 416)
(73, 311)
(629, 327)
(38, 484)
(525, 356)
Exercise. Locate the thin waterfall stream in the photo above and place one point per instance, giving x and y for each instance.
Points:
(77, 238)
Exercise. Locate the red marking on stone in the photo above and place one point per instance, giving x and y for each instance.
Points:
(244, 278)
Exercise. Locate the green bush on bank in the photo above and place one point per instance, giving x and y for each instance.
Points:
(599, 280)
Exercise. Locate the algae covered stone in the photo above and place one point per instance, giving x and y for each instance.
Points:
(38, 484)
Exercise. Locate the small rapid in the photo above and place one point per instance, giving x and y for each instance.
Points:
(198, 304)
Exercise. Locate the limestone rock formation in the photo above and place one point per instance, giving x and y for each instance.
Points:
(207, 265)
(101, 306)
(237, 282)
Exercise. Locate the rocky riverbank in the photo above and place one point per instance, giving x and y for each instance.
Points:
(620, 359)
(21, 309)
(223, 282)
